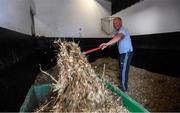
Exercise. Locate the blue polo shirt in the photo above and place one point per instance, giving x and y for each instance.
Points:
(125, 45)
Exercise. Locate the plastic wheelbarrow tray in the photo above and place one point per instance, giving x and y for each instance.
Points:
(39, 93)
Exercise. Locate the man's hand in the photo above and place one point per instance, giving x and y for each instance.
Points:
(103, 46)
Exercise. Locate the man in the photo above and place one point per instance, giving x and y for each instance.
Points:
(122, 38)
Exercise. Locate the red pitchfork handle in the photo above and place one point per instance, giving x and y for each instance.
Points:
(91, 50)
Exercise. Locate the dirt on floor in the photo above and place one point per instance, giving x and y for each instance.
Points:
(156, 92)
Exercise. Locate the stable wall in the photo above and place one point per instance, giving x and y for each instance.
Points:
(15, 15)
(70, 18)
(152, 17)
(155, 32)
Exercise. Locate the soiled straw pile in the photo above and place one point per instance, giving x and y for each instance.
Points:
(77, 88)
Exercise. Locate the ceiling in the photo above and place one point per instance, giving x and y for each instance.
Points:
(118, 5)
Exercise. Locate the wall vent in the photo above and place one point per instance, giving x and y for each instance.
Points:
(107, 25)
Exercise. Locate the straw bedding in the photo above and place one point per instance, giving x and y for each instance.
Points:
(76, 87)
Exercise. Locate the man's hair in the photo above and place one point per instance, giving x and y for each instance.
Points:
(117, 18)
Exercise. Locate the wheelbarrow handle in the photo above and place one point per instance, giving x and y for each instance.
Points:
(91, 50)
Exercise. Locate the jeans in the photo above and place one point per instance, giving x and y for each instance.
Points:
(124, 63)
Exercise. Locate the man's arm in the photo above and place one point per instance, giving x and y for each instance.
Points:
(115, 39)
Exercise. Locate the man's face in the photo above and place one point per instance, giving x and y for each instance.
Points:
(117, 24)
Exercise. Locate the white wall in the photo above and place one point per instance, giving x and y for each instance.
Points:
(152, 16)
(64, 18)
(15, 15)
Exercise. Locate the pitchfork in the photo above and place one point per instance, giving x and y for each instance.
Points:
(91, 50)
